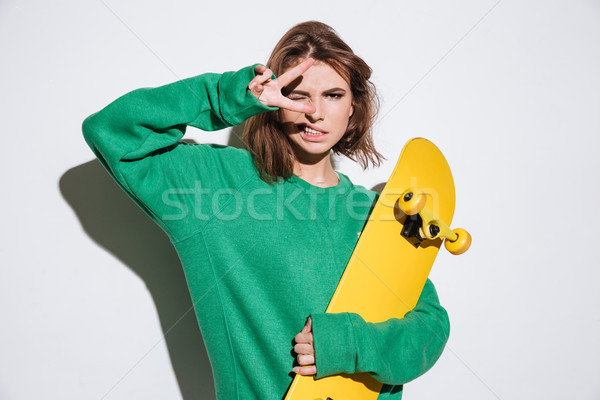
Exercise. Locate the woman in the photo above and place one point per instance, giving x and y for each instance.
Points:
(264, 234)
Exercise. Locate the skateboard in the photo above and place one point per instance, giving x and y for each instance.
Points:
(392, 258)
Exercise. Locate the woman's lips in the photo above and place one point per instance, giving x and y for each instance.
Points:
(311, 129)
(312, 135)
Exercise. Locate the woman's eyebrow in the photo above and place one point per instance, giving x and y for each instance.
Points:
(335, 89)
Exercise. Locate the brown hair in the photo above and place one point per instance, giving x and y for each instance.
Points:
(272, 151)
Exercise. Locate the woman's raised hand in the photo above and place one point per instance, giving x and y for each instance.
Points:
(268, 90)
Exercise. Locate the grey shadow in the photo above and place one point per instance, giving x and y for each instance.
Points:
(235, 137)
(379, 187)
(119, 226)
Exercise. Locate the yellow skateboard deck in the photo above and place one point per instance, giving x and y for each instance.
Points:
(387, 271)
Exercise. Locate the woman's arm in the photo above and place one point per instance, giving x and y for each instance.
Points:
(395, 351)
(146, 120)
(136, 138)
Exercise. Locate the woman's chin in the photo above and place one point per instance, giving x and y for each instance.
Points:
(312, 151)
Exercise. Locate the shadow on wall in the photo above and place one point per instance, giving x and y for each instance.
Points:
(379, 187)
(118, 225)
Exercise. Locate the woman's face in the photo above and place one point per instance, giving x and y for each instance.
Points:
(315, 134)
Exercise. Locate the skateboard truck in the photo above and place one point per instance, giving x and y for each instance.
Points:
(411, 228)
(421, 223)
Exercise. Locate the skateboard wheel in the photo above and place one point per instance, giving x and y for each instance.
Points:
(412, 201)
(432, 230)
(461, 244)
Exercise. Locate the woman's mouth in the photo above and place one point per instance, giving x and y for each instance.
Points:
(311, 132)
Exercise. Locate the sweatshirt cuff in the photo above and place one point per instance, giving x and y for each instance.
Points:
(335, 348)
(239, 103)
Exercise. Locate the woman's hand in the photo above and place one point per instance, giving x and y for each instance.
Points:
(305, 350)
(268, 91)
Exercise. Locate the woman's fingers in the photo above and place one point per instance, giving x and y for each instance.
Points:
(265, 76)
(256, 90)
(268, 91)
(304, 348)
(262, 77)
(310, 370)
(259, 69)
(297, 106)
(295, 72)
(306, 359)
(304, 338)
(308, 326)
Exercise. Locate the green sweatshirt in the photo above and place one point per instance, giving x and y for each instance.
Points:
(258, 258)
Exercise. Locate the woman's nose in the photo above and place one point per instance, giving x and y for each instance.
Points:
(318, 114)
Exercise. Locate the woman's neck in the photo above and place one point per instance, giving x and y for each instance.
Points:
(318, 173)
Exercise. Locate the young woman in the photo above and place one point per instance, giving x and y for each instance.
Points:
(264, 234)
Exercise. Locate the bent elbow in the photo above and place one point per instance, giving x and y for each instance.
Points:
(90, 129)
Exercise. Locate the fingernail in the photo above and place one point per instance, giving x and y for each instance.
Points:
(251, 85)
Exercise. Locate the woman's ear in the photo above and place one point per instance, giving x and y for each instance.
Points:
(351, 110)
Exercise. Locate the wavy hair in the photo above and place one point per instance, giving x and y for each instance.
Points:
(272, 151)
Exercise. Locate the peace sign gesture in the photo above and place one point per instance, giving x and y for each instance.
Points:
(268, 91)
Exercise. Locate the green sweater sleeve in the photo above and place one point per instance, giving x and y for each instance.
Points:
(137, 139)
(394, 352)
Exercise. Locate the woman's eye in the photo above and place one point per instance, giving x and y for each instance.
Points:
(336, 95)
(297, 98)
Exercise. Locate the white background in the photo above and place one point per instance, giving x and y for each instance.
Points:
(92, 298)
